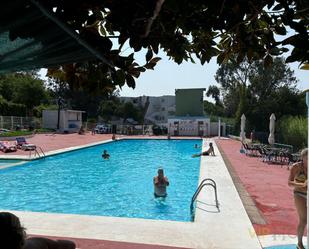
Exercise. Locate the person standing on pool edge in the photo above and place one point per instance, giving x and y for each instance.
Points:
(160, 183)
(298, 180)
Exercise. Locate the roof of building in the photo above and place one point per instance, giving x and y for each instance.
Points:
(180, 89)
(64, 110)
(188, 117)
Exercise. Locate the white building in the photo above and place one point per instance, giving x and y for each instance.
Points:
(159, 108)
(185, 119)
(70, 120)
(189, 126)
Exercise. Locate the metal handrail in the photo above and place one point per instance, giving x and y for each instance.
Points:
(198, 190)
(36, 152)
(41, 151)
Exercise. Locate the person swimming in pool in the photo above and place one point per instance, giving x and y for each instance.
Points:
(208, 152)
(160, 183)
(105, 155)
(196, 146)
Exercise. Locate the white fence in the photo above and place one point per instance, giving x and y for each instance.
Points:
(13, 122)
(123, 129)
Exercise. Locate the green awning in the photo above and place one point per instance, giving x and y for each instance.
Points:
(29, 39)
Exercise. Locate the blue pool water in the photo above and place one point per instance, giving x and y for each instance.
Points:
(291, 246)
(80, 182)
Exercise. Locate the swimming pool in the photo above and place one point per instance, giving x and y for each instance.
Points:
(290, 246)
(80, 182)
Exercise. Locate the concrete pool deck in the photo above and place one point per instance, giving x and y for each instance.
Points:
(266, 184)
(229, 227)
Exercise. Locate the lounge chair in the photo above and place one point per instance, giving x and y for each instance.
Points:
(24, 145)
(7, 146)
(249, 149)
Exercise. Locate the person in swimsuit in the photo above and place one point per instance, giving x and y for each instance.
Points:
(208, 152)
(105, 155)
(298, 180)
(160, 183)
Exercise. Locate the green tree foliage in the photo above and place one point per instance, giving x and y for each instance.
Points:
(78, 97)
(243, 107)
(8, 108)
(129, 110)
(258, 91)
(293, 130)
(108, 109)
(115, 108)
(213, 109)
(206, 29)
(214, 92)
(24, 89)
(38, 110)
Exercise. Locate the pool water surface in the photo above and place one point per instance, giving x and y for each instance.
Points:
(81, 182)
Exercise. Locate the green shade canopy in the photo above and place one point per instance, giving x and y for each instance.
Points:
(29, 39)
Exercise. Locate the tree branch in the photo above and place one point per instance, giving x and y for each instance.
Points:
(151, 19)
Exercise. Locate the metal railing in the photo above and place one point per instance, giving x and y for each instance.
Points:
(38, 151)
(204, 183)
(13, 122)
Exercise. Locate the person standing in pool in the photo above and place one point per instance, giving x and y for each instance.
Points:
(160, 183)
(105, 155)
(298, 180)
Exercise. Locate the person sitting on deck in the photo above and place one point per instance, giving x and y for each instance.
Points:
(208, 152)
(160, 183)
(105, 155)
(81, 131)
(13, 236)
(113, 137)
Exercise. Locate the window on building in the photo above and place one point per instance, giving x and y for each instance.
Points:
(162, 109)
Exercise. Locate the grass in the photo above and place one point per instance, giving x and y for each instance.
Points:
(15, 133)
(44, 130)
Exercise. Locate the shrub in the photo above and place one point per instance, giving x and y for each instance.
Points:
(293, 130)
(15, 133)
(11, 109)
(158, 130)
(37, 111)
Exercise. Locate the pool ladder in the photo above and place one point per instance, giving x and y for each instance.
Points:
(205, 182)
(38, 151)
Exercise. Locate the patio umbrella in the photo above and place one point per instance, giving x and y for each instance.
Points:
(242, 128)
(271, 138)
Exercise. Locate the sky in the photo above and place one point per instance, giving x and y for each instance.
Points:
(168, 76)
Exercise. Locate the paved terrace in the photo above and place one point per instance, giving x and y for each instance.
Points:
(267, 185)
(226, 228)
(56, 142)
